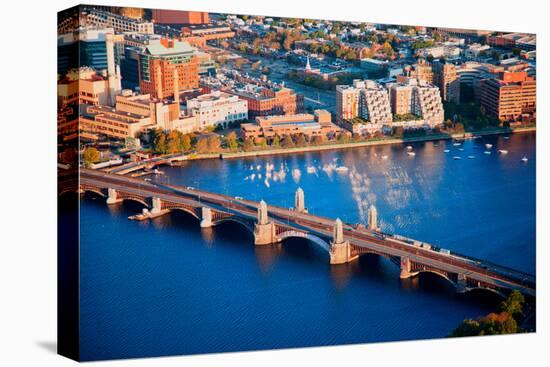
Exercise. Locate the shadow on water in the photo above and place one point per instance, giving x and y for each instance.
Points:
(429, 283)
(304, 250)
(375, 268)
(482, 297)
(380, 270)
(437, 286)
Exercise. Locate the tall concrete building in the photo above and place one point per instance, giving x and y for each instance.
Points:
(445, 77)
(510, 97)
(88, 47)
(157, 62)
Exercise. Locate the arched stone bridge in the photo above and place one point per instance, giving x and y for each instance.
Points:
(343, 242)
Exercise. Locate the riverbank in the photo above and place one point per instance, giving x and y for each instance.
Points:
(434, 137)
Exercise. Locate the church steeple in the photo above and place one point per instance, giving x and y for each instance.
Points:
(308, 66)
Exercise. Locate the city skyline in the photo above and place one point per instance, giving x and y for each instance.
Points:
(364, 158)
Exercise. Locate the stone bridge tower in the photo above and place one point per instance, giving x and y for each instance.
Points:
(264, 230)
(373, 219)
(299, 201)
(340, 249)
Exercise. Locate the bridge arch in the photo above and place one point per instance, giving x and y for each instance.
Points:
(66, 191)
(312, 238)
(95, 191)
(441, 274)
(486, 289)
(186, 210)
(372, 252)
(142, 202)
(234, 219)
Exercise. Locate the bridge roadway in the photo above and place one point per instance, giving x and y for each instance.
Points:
(361, 239)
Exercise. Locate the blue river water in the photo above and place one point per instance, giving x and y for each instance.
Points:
(166, 287)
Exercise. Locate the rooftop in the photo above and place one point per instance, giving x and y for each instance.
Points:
(165, 47)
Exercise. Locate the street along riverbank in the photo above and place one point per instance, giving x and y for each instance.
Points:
(434, 137)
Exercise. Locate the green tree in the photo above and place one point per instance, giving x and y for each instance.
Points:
(467, 328)
(248, 145)
(213, 142)
(91, 155)
(68, 156)
(287, 142)
(232, 142)
(513, 304)
(276, 142)
(174, 142)
(388, 49)
(242, 47)
(187, 142)
(342, 138)
(504, 322)
(202, 145)
(318, 139)
(301, 140)
(160, 145)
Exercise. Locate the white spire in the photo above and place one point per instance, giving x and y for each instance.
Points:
(308, 66)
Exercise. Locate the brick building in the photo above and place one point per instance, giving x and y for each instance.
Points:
(158, 63)
(510, 97)
(163, 16)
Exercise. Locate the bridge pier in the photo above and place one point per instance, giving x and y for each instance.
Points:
(340, 249)
(461, 283)
(264, 230)
(206, 217)
(112, 197)
(405, 268)
(157, 206)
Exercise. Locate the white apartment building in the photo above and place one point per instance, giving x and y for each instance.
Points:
(440, 51)
(375, 104)
(420, 100)
(430, 105)
(363, 106)
(217, 109)
(474, 51)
